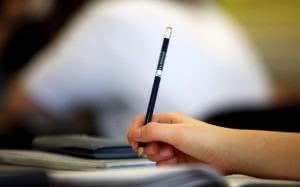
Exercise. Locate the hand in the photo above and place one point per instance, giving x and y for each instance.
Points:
(173, 138)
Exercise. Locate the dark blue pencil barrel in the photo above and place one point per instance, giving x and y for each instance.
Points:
(162, 56)
(151, 103)
(157, 78)
(152, 100)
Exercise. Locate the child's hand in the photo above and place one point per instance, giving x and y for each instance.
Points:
(173, 138)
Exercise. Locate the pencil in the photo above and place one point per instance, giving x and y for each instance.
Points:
(157, 78)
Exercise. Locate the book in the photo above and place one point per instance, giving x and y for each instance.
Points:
(39, 159)
(85, 146)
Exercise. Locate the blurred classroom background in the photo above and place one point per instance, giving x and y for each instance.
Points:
(273, 26)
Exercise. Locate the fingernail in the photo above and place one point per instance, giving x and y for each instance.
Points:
(140, 151)
(134, 145)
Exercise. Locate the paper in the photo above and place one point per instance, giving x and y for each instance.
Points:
(62, 162)
(187, 176)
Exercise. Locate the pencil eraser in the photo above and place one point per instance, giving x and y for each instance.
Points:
(168, 32)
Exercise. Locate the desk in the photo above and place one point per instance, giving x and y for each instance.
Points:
(42, 177)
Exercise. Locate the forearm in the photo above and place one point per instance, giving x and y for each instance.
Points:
(264, 154)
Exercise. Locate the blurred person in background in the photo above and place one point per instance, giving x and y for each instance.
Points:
(105, 58)
(26, 27)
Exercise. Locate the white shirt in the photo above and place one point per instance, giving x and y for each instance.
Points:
(107, 56)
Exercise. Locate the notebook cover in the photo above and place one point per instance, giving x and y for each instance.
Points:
(85, 146)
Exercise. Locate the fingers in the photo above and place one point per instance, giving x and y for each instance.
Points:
(152, 148)
(157, 152)
(172, 138)
(164, 154)
(166, 127)
(176, 158)
(167, 133)
(136, 123)
(171, 161)
(170, 118)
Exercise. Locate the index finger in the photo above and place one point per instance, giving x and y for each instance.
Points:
(167, 117)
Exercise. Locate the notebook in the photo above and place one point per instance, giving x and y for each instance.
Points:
(85, 146)
(39, 159)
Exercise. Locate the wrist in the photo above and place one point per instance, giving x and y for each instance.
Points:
(237, 151)
(225, 150)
